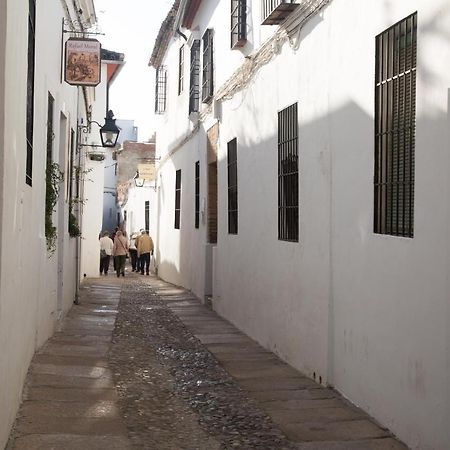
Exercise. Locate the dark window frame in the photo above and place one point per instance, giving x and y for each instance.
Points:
(177, 199)
(181, 70)
(288, 174)
(194, 82)
(208, 66)
(232, 186)
(395, 121)
(30, 91)
(238, 23)
(197, 194)
(147, 215)
(161, 90)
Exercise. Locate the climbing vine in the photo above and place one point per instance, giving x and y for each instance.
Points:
(54, 177)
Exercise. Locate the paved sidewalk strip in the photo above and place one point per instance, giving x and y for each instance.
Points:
(314, 417)
(70, 401)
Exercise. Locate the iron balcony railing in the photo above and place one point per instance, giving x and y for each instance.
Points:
(275, 11)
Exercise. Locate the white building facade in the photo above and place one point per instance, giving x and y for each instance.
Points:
(301, 167)
(40, 140)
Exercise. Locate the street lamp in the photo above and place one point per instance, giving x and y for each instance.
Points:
(109, 132)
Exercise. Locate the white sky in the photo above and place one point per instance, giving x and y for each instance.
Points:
(131, 28)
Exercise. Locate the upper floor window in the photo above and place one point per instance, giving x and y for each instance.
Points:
(395, 124)
(197, 194)
(177, 199)
(160, 89)
(208, 67)
(194, 85)
(30, 89)
(288, 174)
(232, 187)
(238, 23)
(181, 70)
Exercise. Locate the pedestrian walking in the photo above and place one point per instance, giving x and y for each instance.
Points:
(133, 252)
(120, 252)
(136, 242)
(145, 249)
(106, 250)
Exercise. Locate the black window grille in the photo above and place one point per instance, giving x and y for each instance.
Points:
(395, 122)
(177, 199)
(160, 90)
(70, 180)
(49, 162)
(181, 70)
(238, 23)
(194, 88)
(147, 215)
(197, 194)
(208, 67)
(232, 187)
(288, 174)
(30, 89)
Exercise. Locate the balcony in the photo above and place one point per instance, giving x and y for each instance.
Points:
(275, 11)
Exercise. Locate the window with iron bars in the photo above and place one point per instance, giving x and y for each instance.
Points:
(232, 187)
(238, 23)
(208, 67)
(288, 174)
(30, 90)
(177, 199)
(194, 87)
(395, 123)
(181, 70)
(147, 215)
(160, 90)
(197, 194)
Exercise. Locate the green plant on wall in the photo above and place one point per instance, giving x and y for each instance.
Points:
(54, 177)
(74, 227)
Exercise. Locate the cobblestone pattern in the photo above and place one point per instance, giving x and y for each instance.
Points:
(173, 392)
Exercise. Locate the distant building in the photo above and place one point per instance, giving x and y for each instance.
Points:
(111, 214)
(136, 187)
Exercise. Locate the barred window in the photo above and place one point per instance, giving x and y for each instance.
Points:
(194, 87)
(181, 70)
(177, 199)
(147, 215)
(208, 68)
(238, 23)
(288, 174)
(395, 122)
(232, 187)
(160, 90)
(197, 194)
(30, 89)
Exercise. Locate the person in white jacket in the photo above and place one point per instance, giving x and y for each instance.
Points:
(106, 250)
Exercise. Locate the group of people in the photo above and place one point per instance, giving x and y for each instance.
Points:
(139, 248)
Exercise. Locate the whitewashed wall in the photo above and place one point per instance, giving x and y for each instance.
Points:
(369, 314)
(35, 290)
(92, 190)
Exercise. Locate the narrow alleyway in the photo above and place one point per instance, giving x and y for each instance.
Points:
(143, 364)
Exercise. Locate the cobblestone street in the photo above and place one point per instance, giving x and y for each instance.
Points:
(142, 364)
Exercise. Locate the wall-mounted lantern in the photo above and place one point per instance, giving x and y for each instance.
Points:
(109, 132)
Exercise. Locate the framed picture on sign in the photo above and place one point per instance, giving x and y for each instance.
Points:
(82, 66)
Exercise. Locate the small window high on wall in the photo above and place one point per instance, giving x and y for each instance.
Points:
(238, 23)
(160, 90)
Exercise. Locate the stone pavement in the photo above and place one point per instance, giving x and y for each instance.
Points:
(96, 387)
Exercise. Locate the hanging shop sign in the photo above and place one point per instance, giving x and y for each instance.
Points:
(146, 171)
(82, 67)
